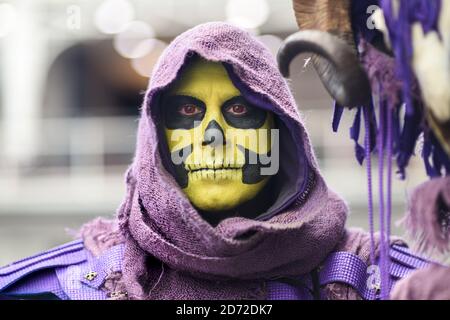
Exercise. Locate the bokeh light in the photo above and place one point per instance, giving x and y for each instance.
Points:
(247, 14)
(135, 40)
(113, 15)
(144, 65)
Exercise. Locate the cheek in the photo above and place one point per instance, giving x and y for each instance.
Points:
(256, 140)
(179, 138)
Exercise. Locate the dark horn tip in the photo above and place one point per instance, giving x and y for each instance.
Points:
(284, 62)
(339, 68)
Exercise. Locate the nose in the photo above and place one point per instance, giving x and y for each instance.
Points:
(214, 135)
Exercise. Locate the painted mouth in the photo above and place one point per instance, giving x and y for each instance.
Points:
(213, 169)
(218, 173)
(190, 168)
(248, 172)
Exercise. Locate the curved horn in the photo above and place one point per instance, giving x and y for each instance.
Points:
(335, 61)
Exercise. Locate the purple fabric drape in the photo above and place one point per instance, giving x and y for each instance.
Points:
(170, 251)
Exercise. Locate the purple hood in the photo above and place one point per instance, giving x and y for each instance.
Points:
(171, 252)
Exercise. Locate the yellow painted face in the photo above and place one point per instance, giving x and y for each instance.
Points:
(215, 138)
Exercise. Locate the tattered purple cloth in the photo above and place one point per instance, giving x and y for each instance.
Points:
(428, 216)
(170, 251)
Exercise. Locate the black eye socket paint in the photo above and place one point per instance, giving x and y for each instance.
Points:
(251, 171)
(181, 174)
(174, 119)
(253, 118)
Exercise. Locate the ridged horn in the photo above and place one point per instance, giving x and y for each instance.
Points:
(337, 65)
(331, 16)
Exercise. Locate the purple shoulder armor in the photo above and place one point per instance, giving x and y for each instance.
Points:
(70, 272)
(67, 272)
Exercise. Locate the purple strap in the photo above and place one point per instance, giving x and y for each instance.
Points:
(383, 266)
(404, 256)
(388, 213)
(284, 291)
(367, 146)
(345, 267)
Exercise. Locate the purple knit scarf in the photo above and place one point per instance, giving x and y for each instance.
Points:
(170, 251)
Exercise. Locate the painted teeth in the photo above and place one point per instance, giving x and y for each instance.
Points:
(212, 169)
(215, 173)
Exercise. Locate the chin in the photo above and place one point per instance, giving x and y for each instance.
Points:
(214, 207)
(219, 195)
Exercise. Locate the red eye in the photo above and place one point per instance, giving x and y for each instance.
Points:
(189, 110)
(237, 109)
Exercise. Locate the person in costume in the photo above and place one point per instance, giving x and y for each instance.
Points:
(224, 198)
(388, 60)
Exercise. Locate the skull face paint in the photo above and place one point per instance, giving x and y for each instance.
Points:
(216, 138)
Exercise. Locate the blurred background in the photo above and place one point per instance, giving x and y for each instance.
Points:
(72, 75)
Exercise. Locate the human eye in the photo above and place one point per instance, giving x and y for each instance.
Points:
(237, 109)
(189, 109)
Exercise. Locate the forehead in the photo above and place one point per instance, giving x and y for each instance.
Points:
(200, 75)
